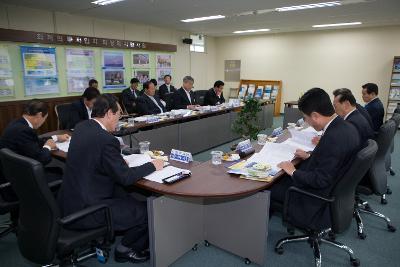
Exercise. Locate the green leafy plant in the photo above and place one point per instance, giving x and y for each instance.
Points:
(246, 123)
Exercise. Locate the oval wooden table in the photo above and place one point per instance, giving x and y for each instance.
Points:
(211, 206)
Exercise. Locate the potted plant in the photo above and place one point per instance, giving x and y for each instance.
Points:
(246, 124)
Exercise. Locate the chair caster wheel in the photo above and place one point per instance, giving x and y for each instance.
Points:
(388, 191)
(247, 261)
(392, 173)
(279, 250)
(391, 228)
(383, 201)
(194, 248)
(355, 262)
(362, 236)
(206, 243)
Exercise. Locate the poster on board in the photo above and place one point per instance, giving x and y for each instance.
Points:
(6, 74)
(161, 73)
(113, 70)
(163, 61)
(140, 60)
(80, 68)
(40, 70)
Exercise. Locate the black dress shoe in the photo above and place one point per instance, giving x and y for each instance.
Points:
(132, 256)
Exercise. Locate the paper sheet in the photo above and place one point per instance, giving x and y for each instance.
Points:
(135, 160)
(63, 146)
(158, 176)
(302, 139)
(273, 154)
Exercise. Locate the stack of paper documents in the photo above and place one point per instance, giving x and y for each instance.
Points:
(158, 176)
(136, 160)
(301, 139)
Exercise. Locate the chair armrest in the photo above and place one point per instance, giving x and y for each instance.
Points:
(5, 185)
(297, 190)
(90, 210)
(55, 184)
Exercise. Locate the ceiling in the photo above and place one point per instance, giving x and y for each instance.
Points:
(168, 13)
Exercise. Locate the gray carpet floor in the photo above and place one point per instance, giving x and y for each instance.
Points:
(380, 248)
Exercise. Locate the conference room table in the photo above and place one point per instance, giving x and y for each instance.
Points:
(195, 133)
(211, 207)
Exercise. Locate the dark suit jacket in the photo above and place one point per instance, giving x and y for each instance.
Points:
(94, 169)
(23, 140)
(365, 114)
(146, 106)
(163, 91)
(78, 113)
(129, 100)
(330, 159)
(211, 98)
(181, 101)
(377, 112)
(363, 127)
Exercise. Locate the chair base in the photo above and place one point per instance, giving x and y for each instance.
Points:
(364, 207)
(315, 239)
(391, 171)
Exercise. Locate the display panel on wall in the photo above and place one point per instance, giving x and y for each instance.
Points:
(40, 70)
(6, 74)
(164, 67)
(80, 68)
(113, 70)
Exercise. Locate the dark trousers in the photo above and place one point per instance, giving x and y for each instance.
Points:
(278, 190)
(130, 219)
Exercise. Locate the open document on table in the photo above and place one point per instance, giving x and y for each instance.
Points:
(273, 154)
(63, 146)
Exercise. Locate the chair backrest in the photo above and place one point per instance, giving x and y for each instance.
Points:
(63, 115)
(396, 119)
(199, 95)
(344, 191)
(38, 228)
(377, 173)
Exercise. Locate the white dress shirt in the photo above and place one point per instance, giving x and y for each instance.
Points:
(188, 95)
(89, 112)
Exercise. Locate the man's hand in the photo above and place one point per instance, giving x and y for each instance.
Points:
(63, 137)
(287, 166)
(301, 154)
(158, 164)
(50, 143)
(315, 140)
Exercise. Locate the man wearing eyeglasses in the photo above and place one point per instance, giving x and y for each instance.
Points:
(95, 173)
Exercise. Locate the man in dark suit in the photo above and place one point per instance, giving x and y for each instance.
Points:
(129, 96)
(184, 97)
(94, 83)
(20, 136)
(373, 105)
(82, 109)
(167, 89)
(365, 114)
(345, 106)
(215, 95)
(149, 103)
(321, 169)
(95, 172)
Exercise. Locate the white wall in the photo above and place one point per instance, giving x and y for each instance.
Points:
(328, 59)
(199, 65)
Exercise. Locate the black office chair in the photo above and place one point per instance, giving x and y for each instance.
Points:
(375, 182)
(42, 236)
(8, 207)
(63, 115)
(388, 163)
(341, 203)
(199, 96)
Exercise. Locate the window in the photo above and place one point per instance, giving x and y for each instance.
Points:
(198, 44)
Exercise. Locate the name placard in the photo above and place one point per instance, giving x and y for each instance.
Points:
(180, 156)
(244, 146)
